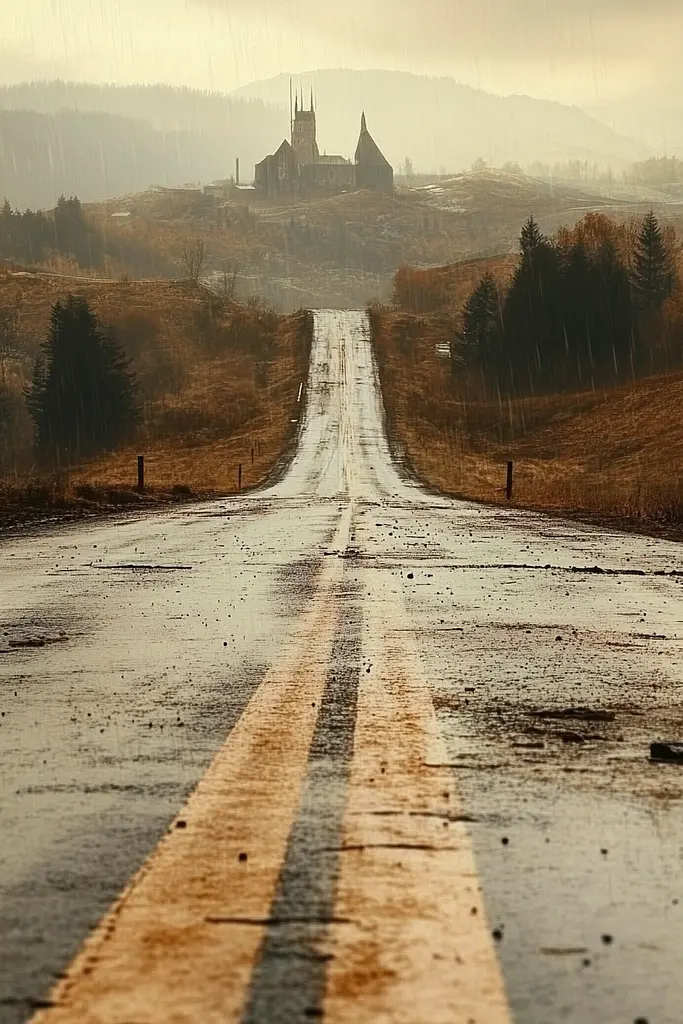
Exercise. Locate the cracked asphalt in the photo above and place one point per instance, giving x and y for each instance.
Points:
(340, 749)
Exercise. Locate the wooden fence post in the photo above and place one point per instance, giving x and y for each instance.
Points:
(141, 473)
(508, 486)
(239, 477)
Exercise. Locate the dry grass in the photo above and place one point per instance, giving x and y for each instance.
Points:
(339, 250)
(615, 456)
(441, 288)
(218, 382)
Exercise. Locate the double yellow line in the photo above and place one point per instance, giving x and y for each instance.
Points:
(409, 941)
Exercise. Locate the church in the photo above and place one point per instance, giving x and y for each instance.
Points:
(298, 167)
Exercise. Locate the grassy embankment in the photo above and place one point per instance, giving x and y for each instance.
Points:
(612, 456)
(217, 380)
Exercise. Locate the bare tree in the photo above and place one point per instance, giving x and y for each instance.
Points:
(193, 258)
(229, 281)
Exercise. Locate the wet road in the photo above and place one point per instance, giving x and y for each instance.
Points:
(384, 827)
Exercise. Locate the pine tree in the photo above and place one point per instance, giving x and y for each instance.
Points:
(531, 317)
(82, 398)
(72, 234)
(481, 324)
(654, 274)
(531, 240)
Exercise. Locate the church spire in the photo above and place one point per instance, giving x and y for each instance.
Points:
(363, 123)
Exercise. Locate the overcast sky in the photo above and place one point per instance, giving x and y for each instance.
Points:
(572, 50)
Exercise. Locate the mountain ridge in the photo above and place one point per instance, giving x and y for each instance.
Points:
(450, 124)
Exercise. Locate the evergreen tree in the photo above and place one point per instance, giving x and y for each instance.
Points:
(72, 235)
(531, 240)
(480, 333)
(532, 324)
(617, 326)
(82, 398)
(654, 274)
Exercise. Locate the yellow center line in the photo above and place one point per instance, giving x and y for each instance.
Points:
(180, 943)
(420, 950)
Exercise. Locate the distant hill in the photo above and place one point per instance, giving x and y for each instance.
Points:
(657, 125)
(443, 126)
(105, 141)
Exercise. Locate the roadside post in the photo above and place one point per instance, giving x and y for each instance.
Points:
(508, 486)
(239, 477)
(141, 473)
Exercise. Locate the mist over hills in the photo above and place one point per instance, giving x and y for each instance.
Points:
(655, 124)
(105, 141)
(442, 125)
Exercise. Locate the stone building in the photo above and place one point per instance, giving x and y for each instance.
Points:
(299, 167)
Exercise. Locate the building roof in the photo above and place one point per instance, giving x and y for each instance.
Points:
(325, 159)
(284, 147)
(367, 150)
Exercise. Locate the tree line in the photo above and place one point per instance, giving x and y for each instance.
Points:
(31, 236)
(584, 308)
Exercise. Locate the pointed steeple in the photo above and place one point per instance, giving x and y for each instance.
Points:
(363, 123)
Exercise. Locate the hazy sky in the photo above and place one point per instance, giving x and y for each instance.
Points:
(572, 50)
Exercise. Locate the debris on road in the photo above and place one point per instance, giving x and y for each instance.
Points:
(581, 714)
(666, 752)
(572, 737)
(563, 950)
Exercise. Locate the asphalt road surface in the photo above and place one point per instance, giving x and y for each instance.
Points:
(340, 750)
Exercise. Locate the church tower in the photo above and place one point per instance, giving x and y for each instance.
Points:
(304, 141)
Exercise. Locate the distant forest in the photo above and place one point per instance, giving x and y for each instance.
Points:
(32, 237)
(662, 170)
(103, 142)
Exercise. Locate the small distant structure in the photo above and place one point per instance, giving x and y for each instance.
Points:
(121, 217)
(220, 188)
(297, 167)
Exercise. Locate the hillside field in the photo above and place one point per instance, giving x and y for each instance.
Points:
(341, 251)
(217, 387)
(613, 456)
